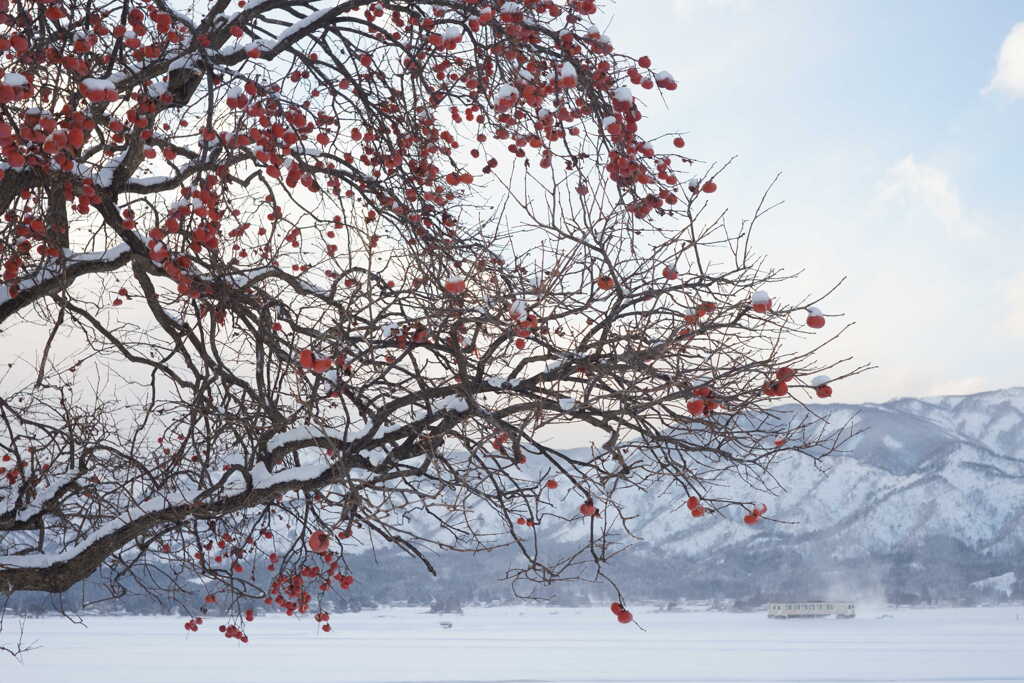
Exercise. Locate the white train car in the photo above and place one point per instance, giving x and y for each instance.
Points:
(788, 610)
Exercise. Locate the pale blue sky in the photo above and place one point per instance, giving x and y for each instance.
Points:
(900, 167)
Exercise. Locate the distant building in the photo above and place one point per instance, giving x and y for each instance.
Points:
(786, 610)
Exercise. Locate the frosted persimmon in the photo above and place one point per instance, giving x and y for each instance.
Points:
(455, 285)
(319, 541)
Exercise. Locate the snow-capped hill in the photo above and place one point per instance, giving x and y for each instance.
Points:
(995, 418)
(919, 470)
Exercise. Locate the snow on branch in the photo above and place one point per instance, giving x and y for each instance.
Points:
(291, 34)
(57, 274)
(57, 486)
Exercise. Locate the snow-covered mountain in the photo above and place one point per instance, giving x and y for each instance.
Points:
(919, 468)
(929, 495)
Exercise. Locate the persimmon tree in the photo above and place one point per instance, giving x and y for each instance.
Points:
(282, 279)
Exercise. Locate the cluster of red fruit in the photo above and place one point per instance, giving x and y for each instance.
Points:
(621, 613)
(57, 137)
(702, 404)
(322, 618)
(702, 309)
(96, 90)
(755, 514)
(587, 509)
(525, 326)
(760, 302)
(499, 442)
(309, 361)
(779, 386)
(708, 186)
(12, 474)
(231, 631)
(290, 593)
(15, 87)
(696, 509)
(414, 333)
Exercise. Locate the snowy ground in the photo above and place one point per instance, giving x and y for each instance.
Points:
(531, 645)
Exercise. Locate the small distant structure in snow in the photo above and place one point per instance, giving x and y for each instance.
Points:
(789, 610)
(446, 624)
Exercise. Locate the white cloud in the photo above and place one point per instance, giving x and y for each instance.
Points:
(1009, 77)
(926, 189)
(1014, 321)
(960, 387)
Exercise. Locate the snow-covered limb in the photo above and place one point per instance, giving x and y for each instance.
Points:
(249, 278)
(308, 435)
(9, 512)
(105, 178)
(124, 520)
(295, 32)
(55, 275)
(55, 572)
(156, 184)
(503, 382)
(305, 433)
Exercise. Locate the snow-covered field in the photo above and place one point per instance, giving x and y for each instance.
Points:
(533, 644)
